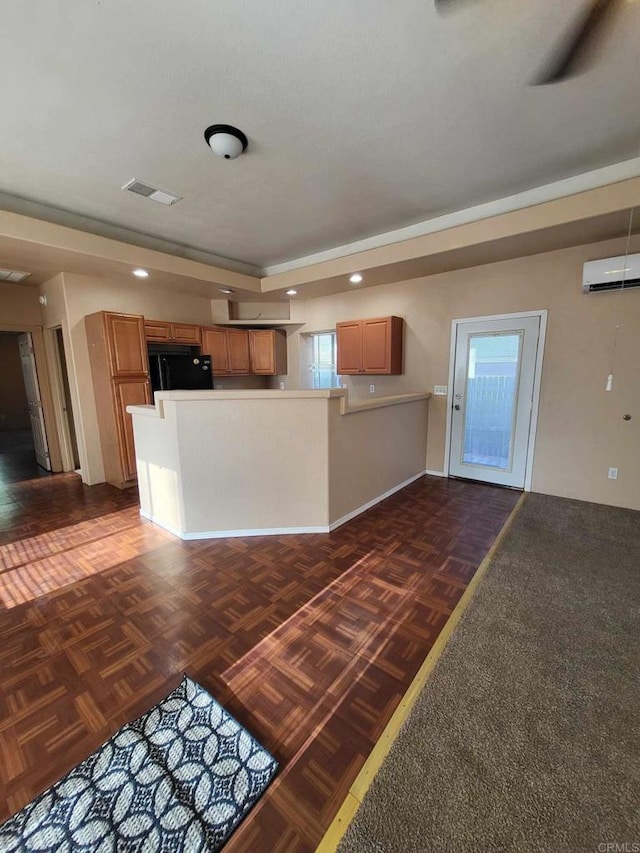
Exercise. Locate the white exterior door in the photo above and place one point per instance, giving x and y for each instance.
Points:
(33, 400)
(493, 389)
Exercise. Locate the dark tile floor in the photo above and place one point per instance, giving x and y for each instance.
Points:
(310, 641)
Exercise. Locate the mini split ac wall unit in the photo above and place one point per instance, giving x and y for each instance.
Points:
(619, 273)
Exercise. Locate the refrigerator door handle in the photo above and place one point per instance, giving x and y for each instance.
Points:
(164, 373)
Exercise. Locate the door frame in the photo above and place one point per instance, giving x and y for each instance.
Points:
(58, 397)
(537, 381)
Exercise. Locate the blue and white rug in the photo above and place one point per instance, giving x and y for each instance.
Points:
(179, 779)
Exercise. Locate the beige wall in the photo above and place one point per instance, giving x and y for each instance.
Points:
(372, 452)
(19, 306)
(581, 432)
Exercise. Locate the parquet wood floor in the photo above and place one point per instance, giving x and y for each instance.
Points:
(310, 641)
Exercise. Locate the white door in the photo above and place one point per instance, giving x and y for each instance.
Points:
(33, 400)
(493, 387)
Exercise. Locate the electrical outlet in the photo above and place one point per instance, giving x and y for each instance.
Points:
(282, 386)
(440, 390)
(613, 473)
(372, 389)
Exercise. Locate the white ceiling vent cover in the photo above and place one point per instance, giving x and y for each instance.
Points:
(155, 194)
(13, 275)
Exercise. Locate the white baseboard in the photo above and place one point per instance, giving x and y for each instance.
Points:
(435, 473)
(266, 531)
(282, 531)
(375, 501)
(161, 524)
(230, 534)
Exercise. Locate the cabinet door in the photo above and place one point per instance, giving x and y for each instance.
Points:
(126, 344)
(184, 333)
(263, 356)
(349, 347)
(131, 393)
(214, 343)
(238, 348)
(157, 331)
(268, 352)
(376, 345)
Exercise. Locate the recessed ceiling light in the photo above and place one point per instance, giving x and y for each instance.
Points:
(356, 278)
(225, 290)
(291, 292)
(140, 273)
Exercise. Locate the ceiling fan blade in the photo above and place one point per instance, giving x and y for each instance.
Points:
(580, 37)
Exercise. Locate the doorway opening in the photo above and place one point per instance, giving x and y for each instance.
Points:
(494, 388)
(24, 449)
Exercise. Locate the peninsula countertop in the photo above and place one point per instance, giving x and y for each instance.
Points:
(242, 463)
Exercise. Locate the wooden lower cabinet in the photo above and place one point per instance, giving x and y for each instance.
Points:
(372, 346)
(128, 393)
(120, 372)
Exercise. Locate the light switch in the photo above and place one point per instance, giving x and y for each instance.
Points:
(440, 390)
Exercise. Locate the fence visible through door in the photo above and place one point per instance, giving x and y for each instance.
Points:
(494, 380)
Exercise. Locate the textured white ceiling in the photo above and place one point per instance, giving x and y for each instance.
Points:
(362, 116)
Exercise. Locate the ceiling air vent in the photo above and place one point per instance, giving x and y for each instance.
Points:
(13, 275)
(155, 194)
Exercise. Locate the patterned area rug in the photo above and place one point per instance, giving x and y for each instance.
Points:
(180, 778)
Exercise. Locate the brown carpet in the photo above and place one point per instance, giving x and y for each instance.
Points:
(527, 735)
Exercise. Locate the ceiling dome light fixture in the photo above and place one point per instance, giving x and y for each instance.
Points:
(356, 278)
(226, 141)
(140, 273)
(291, 292)
(225, 290)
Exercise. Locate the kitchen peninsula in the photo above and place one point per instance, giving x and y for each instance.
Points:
(240, 463)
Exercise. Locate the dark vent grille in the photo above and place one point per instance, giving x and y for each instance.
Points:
(152, 193)
(603, 286)
(140, 188)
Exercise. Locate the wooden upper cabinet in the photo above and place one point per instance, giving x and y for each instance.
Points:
(126, 345)
(349, 347)
(238, 349)
(162, 332)
(370, 346)
(268, 351)
(157, 331)
(214, 343)
(185, 333)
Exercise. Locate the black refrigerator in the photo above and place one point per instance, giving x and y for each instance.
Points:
(180, 372)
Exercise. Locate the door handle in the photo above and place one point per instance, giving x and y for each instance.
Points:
(457, 407)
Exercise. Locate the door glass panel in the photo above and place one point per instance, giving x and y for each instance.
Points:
(491, 395)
